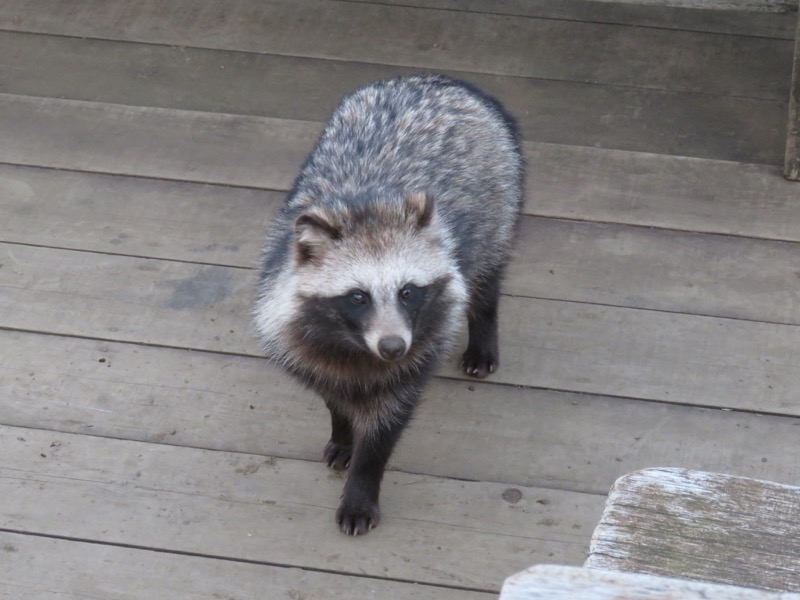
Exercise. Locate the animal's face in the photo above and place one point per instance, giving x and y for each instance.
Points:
(378, 282)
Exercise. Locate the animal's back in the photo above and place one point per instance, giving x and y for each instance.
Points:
(430, 134)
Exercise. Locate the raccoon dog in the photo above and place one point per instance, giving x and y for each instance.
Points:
(399, 223)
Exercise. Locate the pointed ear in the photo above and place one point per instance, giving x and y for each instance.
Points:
(419, 207)
(314, 232)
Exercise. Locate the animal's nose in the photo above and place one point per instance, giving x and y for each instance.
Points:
(391, 347)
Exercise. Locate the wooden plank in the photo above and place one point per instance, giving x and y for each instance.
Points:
(563, 181)
(205, 307)
(463, 430)
(134, 216)
(731, 128)
(125, 140)
(650, 355)
(661, 191)
(743, 5)
(560, 260)
(552, 344)
(705, 526)
(655, 269)
(762, 19)
(554, 582)
(476, 42)
(276, 511)
(772, 22)
(791, 162)
(50, 569)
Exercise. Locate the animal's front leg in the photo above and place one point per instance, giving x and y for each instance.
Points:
(340, 447)
(359, 511)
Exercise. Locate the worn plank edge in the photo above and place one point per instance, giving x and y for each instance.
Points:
(231, 559)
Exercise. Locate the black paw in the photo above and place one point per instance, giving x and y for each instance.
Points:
(358, 519)
(479, 363)
(337, 456)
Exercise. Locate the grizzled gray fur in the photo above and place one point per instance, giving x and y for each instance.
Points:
(398, 226)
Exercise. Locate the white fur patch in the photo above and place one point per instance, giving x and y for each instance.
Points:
(386, 321)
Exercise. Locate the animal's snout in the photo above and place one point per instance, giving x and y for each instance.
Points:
(391, 347)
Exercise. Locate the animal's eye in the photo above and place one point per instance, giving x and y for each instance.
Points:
(359, 297)
(407, 293)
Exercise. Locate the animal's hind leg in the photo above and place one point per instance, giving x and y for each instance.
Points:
(481, 356)
(340, 447)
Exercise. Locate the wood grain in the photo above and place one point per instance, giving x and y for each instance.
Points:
(290, 87)
(135, 216)
(705, 526)
(556, 259)
(151, 142)
(477, 42)
(554, 582)
(463, 430)
(55, 569)
(546, 343)
(767, 19)
(275, 511)
(563, 181)
(673, 271)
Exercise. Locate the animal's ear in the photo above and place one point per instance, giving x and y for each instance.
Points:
(314, 232)
(419, 207)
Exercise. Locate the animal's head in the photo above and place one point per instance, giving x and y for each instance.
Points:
(377, 278)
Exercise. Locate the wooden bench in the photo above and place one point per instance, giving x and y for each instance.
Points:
(675, 525)
(702, 526)
(553, 582)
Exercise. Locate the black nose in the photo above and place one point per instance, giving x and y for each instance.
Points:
(392, 347)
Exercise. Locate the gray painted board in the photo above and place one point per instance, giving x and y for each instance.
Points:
(465, 430)
(276, 511)
(478, 42)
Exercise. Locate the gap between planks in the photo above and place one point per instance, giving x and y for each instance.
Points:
(472, 42)
(462, 429)
(279, 511)
(724, 127)
(670, 357)
(49, 568)
(253, 152)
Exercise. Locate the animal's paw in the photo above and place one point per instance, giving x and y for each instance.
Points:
(337, 456)
(358, 519)
(479, 363)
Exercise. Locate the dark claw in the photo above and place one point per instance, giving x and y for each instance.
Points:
(358, 520)
(336, 456)
(478, 364)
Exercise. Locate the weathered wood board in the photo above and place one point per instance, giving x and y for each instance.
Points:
(151, 142)
(281, 512)
(463, 430)
(661, 191)
(554, 582)
(55, 569)
(672, 271)
(704, 526)
(563, 181)
(670, 357)
(556, 259)
(762, 18)
(649, 355)
(608, 54)
(289, 87)
(133, 216)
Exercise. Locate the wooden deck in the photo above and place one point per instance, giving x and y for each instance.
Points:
(651, 317)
